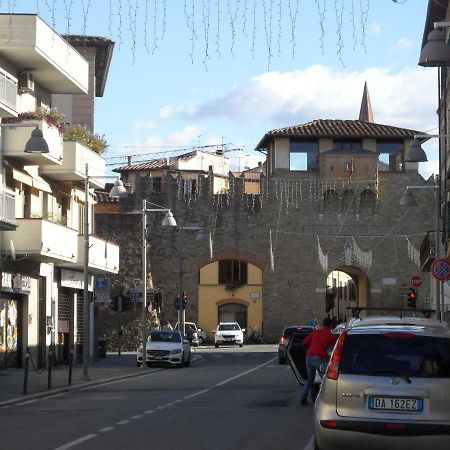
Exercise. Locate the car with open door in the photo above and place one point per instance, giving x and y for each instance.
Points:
(386, 386)
(296, 356)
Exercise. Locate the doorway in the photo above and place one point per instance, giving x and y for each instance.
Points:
(233, 312)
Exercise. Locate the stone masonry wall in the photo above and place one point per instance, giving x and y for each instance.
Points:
(293, 209)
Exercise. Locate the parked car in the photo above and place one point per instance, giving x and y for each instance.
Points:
(286, 335)
(165, 347)
(191, 332)
(229, 333)
(202, 336)
(385, 386)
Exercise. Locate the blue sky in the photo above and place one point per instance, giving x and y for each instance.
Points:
(170, 87)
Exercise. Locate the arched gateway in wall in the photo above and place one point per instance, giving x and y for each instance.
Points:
(347, 287)
(231, 290)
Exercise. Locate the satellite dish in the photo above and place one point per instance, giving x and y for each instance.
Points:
(12, 250)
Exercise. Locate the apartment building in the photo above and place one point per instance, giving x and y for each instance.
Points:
(45, 85)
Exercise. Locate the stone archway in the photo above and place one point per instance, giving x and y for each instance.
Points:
(350, 288)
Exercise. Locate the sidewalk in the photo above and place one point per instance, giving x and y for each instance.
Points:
(109, 368)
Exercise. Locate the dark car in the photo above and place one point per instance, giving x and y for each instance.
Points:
(302, 330)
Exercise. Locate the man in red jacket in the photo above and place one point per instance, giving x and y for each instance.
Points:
(317, 342)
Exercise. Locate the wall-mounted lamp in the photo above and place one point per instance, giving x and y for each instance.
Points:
(36, 143)
(435, 52)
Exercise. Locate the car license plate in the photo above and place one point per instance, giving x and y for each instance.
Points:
(396, 403)
(158, 357)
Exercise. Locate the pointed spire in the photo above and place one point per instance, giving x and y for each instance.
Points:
(365, 113)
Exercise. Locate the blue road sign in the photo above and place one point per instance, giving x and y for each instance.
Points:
(314, 323)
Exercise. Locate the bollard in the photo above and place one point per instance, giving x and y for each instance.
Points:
(25, 375)
(70, 364)
(49, 361)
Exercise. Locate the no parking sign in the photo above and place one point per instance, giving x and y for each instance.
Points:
(440, 269)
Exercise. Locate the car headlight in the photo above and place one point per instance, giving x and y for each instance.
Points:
(176, 351)
(139, 349)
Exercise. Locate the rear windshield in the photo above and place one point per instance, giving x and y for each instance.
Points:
(401, 353)
(288, 332)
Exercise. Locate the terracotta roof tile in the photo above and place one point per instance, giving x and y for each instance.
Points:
(328, 128)
(162, 163)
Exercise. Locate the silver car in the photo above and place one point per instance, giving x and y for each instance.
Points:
(387, 386)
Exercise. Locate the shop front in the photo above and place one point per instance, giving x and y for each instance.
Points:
(14, 292)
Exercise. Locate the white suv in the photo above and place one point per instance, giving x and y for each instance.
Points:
(229, 333)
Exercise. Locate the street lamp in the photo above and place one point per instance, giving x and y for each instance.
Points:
(408, 199)
(117, 191)
(168, 221)
(202, 236)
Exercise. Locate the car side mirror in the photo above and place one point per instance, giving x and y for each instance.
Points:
(244, 330)
(199, 329)
(213, 331)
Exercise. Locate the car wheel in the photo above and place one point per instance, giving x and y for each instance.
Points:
(201, 341)
(188, 362)
(138, 364)
(281, 360)
(216, 345)
(241, 345)
(149, 364)
(181, 363)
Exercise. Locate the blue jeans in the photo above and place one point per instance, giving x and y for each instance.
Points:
(312, 364)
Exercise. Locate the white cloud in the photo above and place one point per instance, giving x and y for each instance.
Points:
(401, 44)
(139, 125)
(404, 98)
(375, 28)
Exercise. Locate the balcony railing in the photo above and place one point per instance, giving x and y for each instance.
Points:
(427, 251)
(7, 210)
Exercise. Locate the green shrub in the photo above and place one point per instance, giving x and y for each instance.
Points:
(82, 135)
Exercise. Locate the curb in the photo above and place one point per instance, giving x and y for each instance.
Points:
(49, 392)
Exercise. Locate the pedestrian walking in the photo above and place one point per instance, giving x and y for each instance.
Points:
(317, 342)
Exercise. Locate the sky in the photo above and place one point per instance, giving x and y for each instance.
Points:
(194, 73)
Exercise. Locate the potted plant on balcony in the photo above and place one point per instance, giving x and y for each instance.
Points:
(50, 116)
(89, 139)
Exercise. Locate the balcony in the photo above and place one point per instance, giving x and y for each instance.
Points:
(43, 241)
(28, 42)
(427, 251)
(14, 139)
(73, 167)
(7, 210)
(103, 255)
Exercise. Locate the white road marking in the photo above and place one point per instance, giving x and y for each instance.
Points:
(137, 416)
(104, 430)
(150, 411)
(27, 402)
(76, 442)
(119, 381)
(170, 404)
(51, 396)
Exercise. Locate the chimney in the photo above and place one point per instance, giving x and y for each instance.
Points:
(130, 160)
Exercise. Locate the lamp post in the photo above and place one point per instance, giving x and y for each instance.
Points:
(168, 221)
(408, 199)
(117, 191)
(201, 237)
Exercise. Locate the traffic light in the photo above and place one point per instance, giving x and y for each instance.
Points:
(126, 302)
(329, 302)
(412, 298)
(115, 304)
(184, 300)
